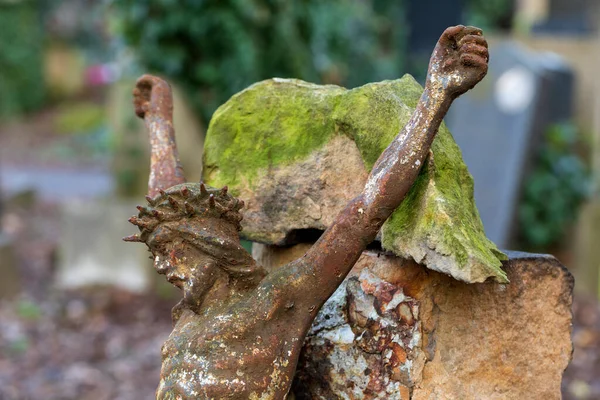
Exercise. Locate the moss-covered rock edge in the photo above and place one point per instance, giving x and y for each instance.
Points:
(438, 214)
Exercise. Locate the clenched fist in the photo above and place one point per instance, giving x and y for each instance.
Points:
(459, 60)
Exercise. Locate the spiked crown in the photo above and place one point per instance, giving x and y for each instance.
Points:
(184, 201)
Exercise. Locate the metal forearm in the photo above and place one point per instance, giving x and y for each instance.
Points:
(154, 103)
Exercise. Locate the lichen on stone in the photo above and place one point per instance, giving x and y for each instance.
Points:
(280, 122)
(272, 122)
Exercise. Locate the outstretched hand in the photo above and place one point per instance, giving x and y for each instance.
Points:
(459, 60)
(153, 101)
(152, 95)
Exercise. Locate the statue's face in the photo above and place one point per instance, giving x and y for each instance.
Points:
(185, 267)
(186, 252)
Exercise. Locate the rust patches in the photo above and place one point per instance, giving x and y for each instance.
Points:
(153, 101)
(398, 355)
(405, 392)
(385, 348)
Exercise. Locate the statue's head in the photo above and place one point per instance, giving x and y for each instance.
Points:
(192, 232)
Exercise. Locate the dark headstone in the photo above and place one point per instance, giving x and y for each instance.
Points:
(570, 17)
(427, 18)
(499, 124)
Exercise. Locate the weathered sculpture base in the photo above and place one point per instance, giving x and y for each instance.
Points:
(395, 330)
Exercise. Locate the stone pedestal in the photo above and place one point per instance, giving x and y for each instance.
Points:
(395, 330)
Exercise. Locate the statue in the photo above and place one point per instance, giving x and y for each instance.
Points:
(238, 330)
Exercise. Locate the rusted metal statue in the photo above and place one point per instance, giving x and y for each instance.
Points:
(238, 331)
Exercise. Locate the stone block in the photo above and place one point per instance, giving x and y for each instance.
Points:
(395, 330)
(587, 251)
(297, 153)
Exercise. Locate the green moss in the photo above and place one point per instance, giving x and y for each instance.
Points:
(279, 122)
(440, 213)
(372, 115)
(270, 123)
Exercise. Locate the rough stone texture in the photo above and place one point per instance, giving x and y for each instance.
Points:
(395, 330)
(298, 152)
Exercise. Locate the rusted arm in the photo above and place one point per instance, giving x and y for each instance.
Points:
(390, 180)
(458, 62)
(153, 102)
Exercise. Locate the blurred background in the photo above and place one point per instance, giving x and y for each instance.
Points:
(83, 316)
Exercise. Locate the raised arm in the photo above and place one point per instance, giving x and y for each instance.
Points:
(458, 63)
(153, 103)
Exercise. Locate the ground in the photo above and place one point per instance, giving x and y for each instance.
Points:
(94, 343)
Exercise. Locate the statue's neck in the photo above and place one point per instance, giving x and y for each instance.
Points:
(219, 292)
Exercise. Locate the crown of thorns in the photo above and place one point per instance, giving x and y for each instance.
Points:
(185, 201)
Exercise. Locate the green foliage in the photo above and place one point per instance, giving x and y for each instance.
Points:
(80, 118)
(215, 48)
(553, 192)
(21, 58)
(490, 15)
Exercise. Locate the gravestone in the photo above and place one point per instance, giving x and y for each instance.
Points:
(426, 26)
(91, 249)
(394, 330)
(424, 30)
(499, 124)
(570, 17)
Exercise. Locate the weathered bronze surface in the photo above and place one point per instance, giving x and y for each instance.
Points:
(238, 330)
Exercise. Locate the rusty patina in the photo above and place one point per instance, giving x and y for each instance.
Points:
(238, 331)
(153, 102)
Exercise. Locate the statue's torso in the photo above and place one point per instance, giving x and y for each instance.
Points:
(240, 352)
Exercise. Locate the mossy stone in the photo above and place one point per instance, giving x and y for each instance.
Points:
(282, 121)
